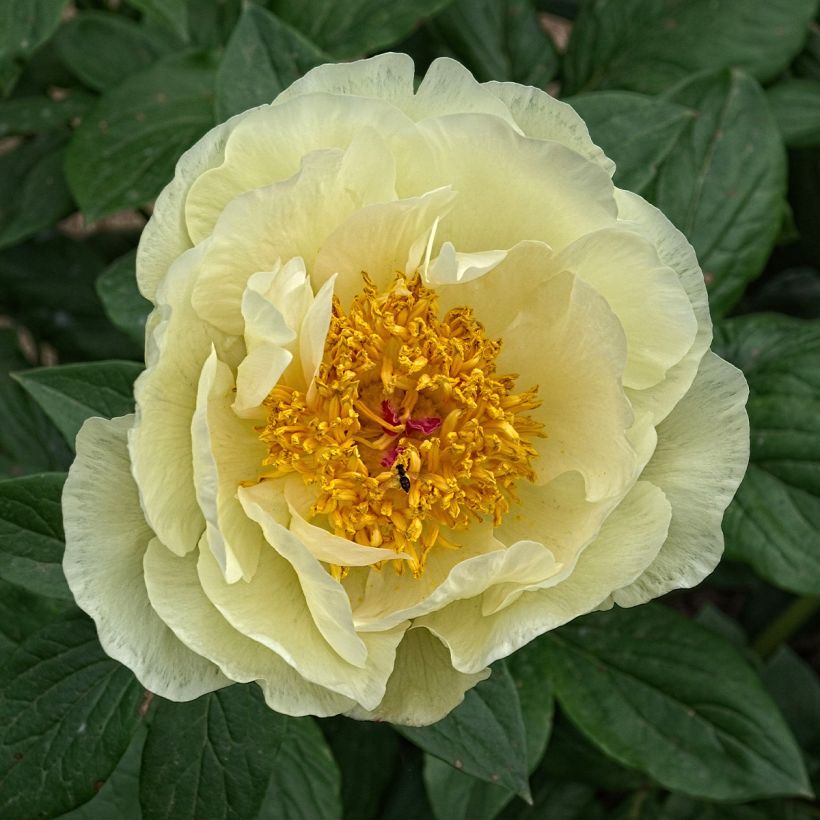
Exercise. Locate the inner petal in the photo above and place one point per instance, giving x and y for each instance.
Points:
(407, 429)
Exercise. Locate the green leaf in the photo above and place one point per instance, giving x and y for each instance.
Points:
(406, 800)
(117, 288)
(217, 750)
(774, 521)
(724, 183)
(355, 27)
(357, 746)
(71, 393)
(649, 45)
(795, 687)
(36, 115)
(677, 807)
(555, 800)
(22, 613)
(305, 781)
(795, 291)
(499, 40)
(67, 714)
(24, 27)
(484, 736)
(126, 148)
(104, 49)
(796, 107)
(662, 694)
(31, 534)
(28, 441)
(637, 132)
(263, 57)
(33, 191)
(118, 799)
(171, 14)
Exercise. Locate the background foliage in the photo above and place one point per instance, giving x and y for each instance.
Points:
(704, 705)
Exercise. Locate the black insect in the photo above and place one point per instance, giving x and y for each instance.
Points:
(403, 479)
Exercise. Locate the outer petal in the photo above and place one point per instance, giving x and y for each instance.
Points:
(177, 596)
(106, 537)
(424, 687)
(541, 116)
(702, 453)
(160, 441)
(676, 252)
(627, 544)
(271, 609)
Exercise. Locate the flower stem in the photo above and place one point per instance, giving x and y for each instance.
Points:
(786, 624)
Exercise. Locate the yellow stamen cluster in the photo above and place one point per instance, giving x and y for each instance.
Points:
(387, 361)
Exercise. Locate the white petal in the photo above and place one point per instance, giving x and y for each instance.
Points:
(424, 687)
(702, 453)
(627, 544)
(177, 596)
(106, 537)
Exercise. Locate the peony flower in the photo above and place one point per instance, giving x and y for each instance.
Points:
(421, 384)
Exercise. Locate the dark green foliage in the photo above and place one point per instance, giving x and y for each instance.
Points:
(711, 111)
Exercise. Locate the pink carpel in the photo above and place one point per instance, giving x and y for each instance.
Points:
(427, 425)
(389, 413)
(392, 456)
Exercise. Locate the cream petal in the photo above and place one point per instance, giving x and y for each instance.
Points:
(384, 77)
(379, 239)
(326, 599)
(271, 609)
(539, 190)
(106, 537)
(271, 143)
(452, 268)
(645, 295)
(286, 220)
(323, 545)
(449, 88)
(702, 454)
(166, 237)
(160, 441)
(313, 333)
(540, 115)
(177, 596)
(226, 451)
(424, 687)
(675, 252)
(258, 373)
(567, 341)
(627, 544)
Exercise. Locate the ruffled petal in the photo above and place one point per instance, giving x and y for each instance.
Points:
(106, 538)
(160, 441)
(702, 454)
(424, 687)
(177, 596)
(271, 609)
(628, 542)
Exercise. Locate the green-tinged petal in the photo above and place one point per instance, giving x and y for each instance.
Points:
(106, 538)
(646, 296)
(675, 252)
(177, 596)
(424, 687)
(702, 453)
(383, 77)
(272, 610)
(226, 451)
(272, 142)
(166, 236)
(160, 441)
(285, 220)
(326, 599)
(628, 542)
(529, 189)
(380, 240)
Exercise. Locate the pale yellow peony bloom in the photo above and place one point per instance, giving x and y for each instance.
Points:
(421, 384)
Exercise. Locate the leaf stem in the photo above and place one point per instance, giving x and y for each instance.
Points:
(797, 613)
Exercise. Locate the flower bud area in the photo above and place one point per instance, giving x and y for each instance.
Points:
(407, 430)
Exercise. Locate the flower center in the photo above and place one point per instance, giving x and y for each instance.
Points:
(407, 429)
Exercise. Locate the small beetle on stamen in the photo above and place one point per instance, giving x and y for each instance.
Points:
(403, 479)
